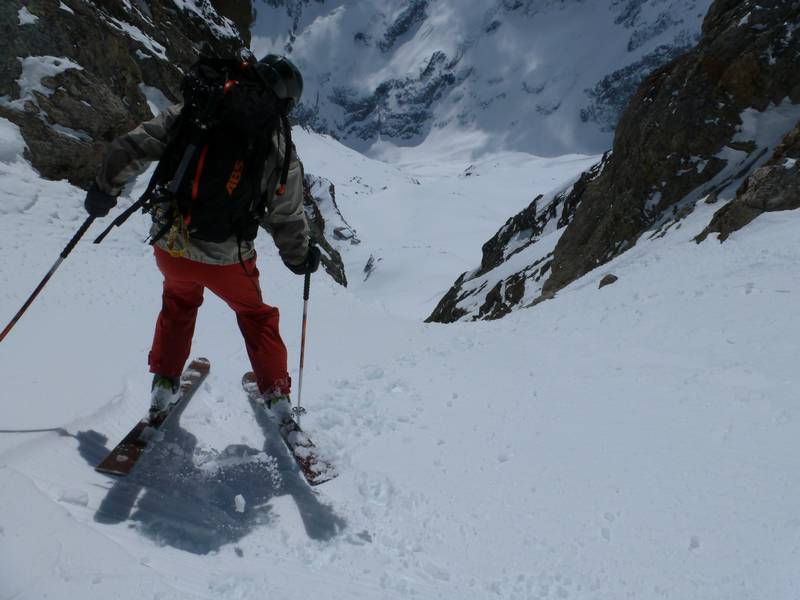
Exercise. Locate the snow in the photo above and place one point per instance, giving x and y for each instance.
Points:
(26, 17)
(156, 99)
(219, 26)
(435, 231)
(764, 130)
(11, 143)
(75, 134)
(635, 441)
(155, 48)
(63, 6)
(34, 70)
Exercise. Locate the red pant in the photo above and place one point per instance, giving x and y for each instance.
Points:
(184, 282)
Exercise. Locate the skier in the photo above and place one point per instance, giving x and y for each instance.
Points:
(224, 263)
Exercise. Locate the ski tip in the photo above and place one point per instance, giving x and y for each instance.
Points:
(203, 365)
(250, 385)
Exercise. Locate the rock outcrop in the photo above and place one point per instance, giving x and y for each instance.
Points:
(75, 74)
(493, 290)
(775, 186)
(682, 138)
(680, 118)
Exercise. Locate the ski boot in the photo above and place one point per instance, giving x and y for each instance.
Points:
(279, 406)
(163, 393)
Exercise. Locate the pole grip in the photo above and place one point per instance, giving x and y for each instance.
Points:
(307, 287)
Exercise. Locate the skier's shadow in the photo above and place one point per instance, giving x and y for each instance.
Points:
(195, 508)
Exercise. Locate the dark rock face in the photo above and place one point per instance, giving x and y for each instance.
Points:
(413, 14)
(670, 150)
(747, 58)
(77, 75)
(611, 95)
(775, 186)
(399, 109)
(487, 293)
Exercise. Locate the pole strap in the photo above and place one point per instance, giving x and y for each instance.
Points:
(299, 410)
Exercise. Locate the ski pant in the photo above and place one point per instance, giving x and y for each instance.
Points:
(184, 283)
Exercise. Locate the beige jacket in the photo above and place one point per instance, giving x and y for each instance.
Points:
(285, 219)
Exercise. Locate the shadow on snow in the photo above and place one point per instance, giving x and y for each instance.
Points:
(173, 500)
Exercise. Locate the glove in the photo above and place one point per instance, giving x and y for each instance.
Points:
(309, 265)
(98, 203)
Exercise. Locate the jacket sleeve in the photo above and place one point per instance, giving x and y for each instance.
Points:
(130, 154)
(285, 217)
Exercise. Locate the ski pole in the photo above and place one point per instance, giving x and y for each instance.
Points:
(299, 410)
(72, 243)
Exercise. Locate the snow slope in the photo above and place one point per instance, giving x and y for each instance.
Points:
(634, 441)
(548, 77)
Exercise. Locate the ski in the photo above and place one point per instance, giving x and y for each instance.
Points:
(315, 469)
(122, 459)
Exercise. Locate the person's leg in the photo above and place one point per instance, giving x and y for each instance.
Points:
(258, 322)
(181, 298)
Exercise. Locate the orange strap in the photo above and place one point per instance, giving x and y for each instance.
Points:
(200, 166)
(196, 183)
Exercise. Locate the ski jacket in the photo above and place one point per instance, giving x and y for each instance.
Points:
(130, 154)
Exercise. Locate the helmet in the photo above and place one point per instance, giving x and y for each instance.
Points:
(279, 73)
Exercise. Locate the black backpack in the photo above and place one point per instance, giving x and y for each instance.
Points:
(209, 176)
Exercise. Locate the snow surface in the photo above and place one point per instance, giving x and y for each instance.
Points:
(635, 441)
(11, 143)
(26, 17)
(156, 100)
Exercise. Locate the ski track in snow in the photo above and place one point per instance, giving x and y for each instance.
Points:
(631, 441)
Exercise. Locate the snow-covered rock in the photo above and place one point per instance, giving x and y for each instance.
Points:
(74, 75)
(541, 76)
(695, 129)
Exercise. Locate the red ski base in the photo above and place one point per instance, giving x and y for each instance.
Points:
(122, 459)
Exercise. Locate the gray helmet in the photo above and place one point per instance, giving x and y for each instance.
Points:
(280, 74)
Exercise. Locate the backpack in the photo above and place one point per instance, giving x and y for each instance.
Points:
(207, 185)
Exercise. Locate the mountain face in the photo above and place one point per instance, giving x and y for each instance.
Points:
(543, 76)
(775, 186)
(695, 130)
(75, 74)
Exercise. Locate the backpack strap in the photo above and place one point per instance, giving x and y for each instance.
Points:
(287, 155)
(144, 201)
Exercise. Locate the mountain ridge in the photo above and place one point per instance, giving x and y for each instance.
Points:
(548, 78)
